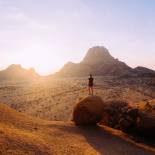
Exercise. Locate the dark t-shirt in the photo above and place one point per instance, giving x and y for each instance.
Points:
(91, 81)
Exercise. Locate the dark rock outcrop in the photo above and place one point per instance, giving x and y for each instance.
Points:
(112, 113)
(88, 111)
(137, 121)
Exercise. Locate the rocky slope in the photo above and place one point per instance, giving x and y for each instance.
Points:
(21, 134)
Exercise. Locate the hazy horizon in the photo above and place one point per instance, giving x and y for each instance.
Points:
(47, 34)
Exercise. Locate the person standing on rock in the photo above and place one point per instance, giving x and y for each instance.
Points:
(90, 84)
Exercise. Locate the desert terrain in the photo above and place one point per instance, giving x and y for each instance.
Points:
(21, 134)
(37, 111)
(55, 98)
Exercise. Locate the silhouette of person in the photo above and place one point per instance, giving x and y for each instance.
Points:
(90, 84)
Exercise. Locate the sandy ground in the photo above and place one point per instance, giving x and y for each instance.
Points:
(54, 99)
(21, 134)
(95, 141)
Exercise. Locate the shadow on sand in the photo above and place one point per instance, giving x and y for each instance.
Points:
(104, 142)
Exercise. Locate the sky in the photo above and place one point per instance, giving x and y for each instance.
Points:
(45, 34)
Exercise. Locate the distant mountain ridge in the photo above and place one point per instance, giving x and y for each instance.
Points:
(141, 72)
(98, 61)
(17, 72)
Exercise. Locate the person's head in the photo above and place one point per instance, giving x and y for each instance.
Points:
(90, 75)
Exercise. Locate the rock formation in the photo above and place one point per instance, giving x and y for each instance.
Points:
(88, 111)
(98, 61)
(133, 120)
(16, 72)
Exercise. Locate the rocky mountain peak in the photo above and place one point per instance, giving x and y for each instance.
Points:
(97, 54)
(98, 61)
(14, 67)
(17, 72)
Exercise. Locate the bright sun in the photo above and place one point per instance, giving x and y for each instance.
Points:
(42, 61)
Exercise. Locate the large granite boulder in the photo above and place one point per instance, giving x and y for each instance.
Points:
(88, 111)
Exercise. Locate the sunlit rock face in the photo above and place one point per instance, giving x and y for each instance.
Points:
(88, 111)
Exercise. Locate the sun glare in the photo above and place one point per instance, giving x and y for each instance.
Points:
(44, 62)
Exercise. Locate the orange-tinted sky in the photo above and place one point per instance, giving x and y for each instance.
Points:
(46, 34)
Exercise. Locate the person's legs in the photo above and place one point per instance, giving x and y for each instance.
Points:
(92, 90)
(89, 90)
